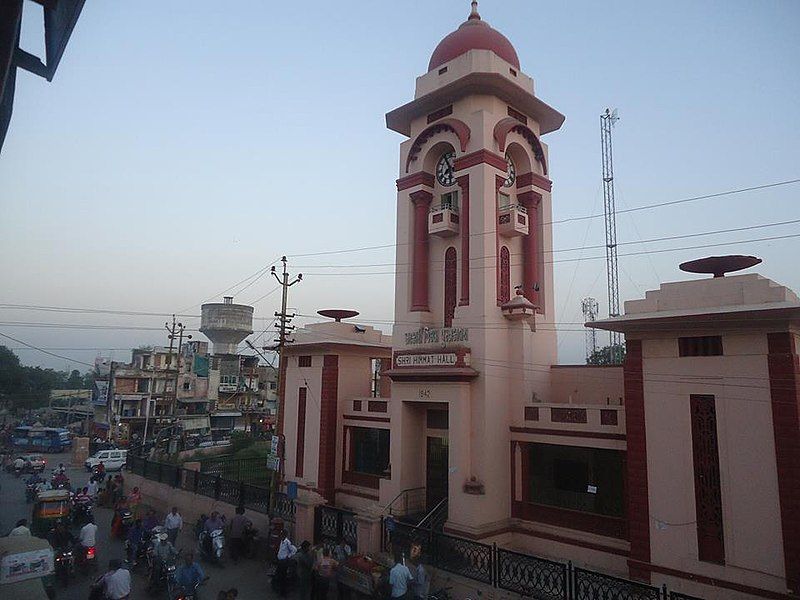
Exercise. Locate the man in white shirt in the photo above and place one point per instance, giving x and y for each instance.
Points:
(21, 528)
(285, 552)
(92, 489)
(173, 523)
(400, 578)
(117, 581)
(88, 535)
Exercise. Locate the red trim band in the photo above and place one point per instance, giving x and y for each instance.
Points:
(599, 435)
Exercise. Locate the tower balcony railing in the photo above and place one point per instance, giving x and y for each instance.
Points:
(443, 219)
(512, 220)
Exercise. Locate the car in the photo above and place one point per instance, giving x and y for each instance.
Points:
(33, 463)
(113, 460)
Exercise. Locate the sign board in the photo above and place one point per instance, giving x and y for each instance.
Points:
(275, 445)
(273, 463)
(443, 335)
(426, 360)
(26, 565)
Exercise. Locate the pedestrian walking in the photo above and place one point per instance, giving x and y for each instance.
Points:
(135, 500)
(305, 570)
(173, 523)
(239, 526)
(286, 552)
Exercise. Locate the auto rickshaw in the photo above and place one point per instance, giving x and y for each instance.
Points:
(26, 568)
(50, 506)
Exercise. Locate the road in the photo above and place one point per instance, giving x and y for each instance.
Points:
(249, 576)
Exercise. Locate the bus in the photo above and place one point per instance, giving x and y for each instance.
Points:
(41, 439)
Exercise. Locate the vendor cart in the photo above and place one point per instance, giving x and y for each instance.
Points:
(365, 576)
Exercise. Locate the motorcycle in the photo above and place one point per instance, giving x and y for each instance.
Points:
(250, 542)
(211, 545)
(125, 517)
(161, 574)
(183, 592)
(81, 513)
(143, 554)
(97, 475)
(86, 558)
(17, 472)
(30, 492)
(59, 482)
(64, 565)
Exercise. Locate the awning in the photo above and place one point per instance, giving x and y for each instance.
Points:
(227, 414)
(192, 400)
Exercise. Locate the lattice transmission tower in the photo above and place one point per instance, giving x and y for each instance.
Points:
(590, 309)
(607, 120)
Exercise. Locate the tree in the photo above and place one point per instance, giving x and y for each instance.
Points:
(74, 381)
(603, 356)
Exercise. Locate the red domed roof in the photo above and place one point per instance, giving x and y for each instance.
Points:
(473, 34)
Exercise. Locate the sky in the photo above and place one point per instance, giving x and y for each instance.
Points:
(184, 146)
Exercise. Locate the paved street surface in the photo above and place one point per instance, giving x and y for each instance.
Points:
(249, 576)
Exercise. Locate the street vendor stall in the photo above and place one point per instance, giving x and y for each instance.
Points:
(26, 568)
(365, 575)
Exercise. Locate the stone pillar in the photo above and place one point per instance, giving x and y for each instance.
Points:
(419, 278)
(369, 533)
(530, 255)
(306, 506)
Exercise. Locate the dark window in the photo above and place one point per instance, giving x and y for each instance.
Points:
(357, 405)
(513, 72)
(443, 70)
(142, 385)
(370, 451)
(450, 266)
(303, 361)
(377, 406)
(438, 419)
(517, 115)
(301, 431)
(707, 489)
(441, 113)
(505, 275)
(707, 345)
(584, 479)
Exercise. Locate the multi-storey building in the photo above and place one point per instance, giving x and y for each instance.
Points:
(678, 468)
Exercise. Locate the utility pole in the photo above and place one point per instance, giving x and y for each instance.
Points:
(284, 329)
(607, 120)
(175, 330)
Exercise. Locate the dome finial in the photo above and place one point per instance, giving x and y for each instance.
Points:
(474, 13)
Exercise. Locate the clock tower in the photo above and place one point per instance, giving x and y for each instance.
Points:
(474, 328)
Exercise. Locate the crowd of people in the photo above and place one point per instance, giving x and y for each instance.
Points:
(317, 569)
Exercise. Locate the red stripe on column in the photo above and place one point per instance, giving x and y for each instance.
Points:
(463, 183)
(301, 431)
(637, 489)
(329, 398)
(530, 245)
(419, 275)
(784, 383)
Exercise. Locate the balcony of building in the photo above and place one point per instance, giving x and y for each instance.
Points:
(443, 218)
(512, 220)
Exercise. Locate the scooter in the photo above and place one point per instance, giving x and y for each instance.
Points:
(211, 545)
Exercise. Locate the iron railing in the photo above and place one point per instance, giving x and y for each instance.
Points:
(524, 574)
(248, 470)
(332, 524)
(237, 493)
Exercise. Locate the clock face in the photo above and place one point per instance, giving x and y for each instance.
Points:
(445, 169)
(511, 172)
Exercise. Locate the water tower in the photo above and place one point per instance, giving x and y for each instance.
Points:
(226, 324)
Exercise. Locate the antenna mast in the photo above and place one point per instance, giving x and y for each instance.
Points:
(590, 308)
(607, 120)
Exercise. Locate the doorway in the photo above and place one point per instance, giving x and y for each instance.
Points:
(436, 472)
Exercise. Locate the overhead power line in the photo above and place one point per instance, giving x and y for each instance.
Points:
(43, 351)
(581, 217)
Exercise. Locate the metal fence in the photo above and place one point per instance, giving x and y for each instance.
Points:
(332, 524)
(253, 497)
(529, 576)
(249, 470)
